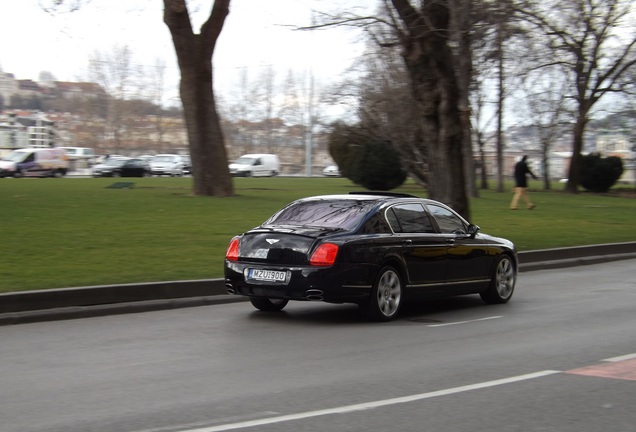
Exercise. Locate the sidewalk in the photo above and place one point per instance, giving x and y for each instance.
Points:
(82, 302)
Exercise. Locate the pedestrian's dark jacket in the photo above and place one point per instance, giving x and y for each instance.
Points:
(521, 169)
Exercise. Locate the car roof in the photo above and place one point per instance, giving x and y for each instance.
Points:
(379, 197)
(363, 196)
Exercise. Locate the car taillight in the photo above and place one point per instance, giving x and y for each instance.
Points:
(232, 253)
(324, 255)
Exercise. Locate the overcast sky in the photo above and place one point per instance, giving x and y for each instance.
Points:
(256, 34)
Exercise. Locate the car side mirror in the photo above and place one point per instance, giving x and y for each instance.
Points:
(473, 230)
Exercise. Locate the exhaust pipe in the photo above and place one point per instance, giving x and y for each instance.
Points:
(314, 295)
(230, 289)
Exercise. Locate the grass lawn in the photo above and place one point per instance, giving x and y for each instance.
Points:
(77, 232)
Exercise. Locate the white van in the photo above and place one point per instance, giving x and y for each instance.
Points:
(167, 164)
(34, 162)
(79, 152)
(79, 157)
(253, 165)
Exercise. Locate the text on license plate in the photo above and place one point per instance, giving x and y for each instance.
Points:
(267, 275)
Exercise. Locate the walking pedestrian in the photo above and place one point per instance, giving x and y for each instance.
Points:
(521, 184)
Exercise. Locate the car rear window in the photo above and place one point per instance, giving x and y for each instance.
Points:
(345, 214)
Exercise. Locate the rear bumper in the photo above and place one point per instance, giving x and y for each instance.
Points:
(331, 285)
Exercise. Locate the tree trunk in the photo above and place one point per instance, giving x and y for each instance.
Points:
(462, 12)
(430, 64)
(500, 104)
(194, 54)
(545, 162)
(482, 158)
(572, 185)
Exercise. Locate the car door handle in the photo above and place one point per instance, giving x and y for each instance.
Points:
(450, 241)
(407, 242)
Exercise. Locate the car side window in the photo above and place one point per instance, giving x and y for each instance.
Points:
(376, 225)
(448, 221)
(409, 218)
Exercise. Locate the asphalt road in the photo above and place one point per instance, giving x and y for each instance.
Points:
(82, 302)
(560, 357)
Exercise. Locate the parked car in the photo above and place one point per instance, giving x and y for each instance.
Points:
(187, 165)
(167, 164)
(122, 167)
(35, 162)
(254, 165)
(331, 171)
(145, 157)
(373, 249)
(80, 157)
(103, 158)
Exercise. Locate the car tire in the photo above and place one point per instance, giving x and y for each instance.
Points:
(502, 284)
(386, 296)
(18, 174)
(116, 174)
(267, 304)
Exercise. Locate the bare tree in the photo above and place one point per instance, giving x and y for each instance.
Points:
(462, 24)
(545, 92)
(290, 109)
(264, 92)
(45, 77)
(482, 121)
(498, 51)
(386, 108)
(484, 73)
(157, 93)
(113, 71)
(423, 32)
(501, 80)
(194, 54)
(583, 36)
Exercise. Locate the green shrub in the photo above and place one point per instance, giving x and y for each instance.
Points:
(365, 159)
(599, 174)
(376, 166)
(343, 142)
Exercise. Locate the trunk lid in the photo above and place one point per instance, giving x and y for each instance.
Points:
(285, 246)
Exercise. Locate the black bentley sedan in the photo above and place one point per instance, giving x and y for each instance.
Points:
(374, 249)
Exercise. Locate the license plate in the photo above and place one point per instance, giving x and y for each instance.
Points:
(267, 275)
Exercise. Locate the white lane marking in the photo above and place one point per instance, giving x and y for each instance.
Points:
(621, 358)
(370, 405)
(465, 322)
(202, 424)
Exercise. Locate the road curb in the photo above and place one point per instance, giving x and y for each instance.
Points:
(83, 302)
(90, 311)
(573, 262)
